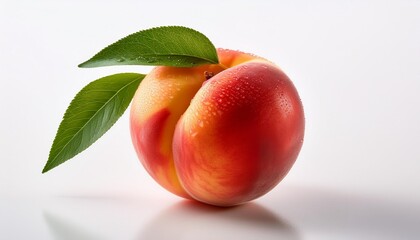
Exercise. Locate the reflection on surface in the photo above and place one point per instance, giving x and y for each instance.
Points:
(191, 220)
(287, 213)
(63, 229)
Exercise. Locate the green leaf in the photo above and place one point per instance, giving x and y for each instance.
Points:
(91, 113)
(163, 46)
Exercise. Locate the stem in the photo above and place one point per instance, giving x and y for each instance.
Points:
(208, 75)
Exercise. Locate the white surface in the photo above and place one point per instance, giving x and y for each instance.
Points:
(355, 64)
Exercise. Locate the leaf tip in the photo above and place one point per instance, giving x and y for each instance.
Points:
(46, 169)
(84, 64)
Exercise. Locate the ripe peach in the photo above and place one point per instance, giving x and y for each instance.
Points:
(221, 134)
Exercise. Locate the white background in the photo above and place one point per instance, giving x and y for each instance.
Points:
(356, 65)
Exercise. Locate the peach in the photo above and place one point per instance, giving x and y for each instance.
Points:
(222, 134)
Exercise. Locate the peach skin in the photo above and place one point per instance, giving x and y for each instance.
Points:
(222, 134)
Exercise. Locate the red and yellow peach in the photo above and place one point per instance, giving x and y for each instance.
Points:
(222, 134)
